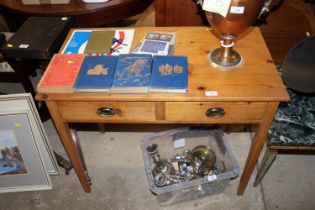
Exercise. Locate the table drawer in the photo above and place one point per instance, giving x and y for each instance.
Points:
(215, 112)
(107, 111)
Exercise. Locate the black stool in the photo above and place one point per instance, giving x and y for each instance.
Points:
(32, 46)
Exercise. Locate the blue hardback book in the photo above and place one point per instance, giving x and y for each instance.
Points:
(96, 74)
(169, 74)
(132, 74)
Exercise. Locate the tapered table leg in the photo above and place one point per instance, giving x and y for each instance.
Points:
(256, 146)
(70, 145)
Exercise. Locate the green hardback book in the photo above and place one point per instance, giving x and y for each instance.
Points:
(100, 42)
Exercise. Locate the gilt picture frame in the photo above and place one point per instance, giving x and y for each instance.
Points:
(26, 157)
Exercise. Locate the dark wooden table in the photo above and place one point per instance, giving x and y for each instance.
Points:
(83, 14)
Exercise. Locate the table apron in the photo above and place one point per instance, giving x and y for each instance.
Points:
(161, 112)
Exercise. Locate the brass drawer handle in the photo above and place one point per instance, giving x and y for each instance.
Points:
(215, 112)
(107, 111)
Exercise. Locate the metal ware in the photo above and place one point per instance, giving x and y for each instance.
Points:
(203, 159)
(107, 111)
(192, 164)
(162, 168)
(153, 151)
(215, 112)
(240, 15)
(185, 165)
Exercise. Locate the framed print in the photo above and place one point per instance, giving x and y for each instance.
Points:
(26, 157)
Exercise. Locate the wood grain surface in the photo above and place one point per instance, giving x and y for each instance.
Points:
(250, 94)
(257, 80)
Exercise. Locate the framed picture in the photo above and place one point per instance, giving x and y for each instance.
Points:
(26, 157)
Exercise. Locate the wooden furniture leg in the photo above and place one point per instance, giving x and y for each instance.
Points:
(78, 148)
(257, 145)
(267, 161)
(70, 145)
(101, 127)
(22, 70)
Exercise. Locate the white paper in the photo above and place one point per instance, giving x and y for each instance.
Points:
(178, 143)
(237, 10)
(211, 177)
(24, 45)
(217, 6)
(211, 93)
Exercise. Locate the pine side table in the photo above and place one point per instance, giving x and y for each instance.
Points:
(248, 95)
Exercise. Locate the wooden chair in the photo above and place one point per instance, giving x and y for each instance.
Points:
(293, 128)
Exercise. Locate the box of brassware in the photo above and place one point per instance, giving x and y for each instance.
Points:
(186, 164)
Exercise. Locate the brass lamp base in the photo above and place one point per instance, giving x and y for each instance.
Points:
(218, 56)
(225, 57)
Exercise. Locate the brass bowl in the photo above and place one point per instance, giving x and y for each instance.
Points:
(204, 159)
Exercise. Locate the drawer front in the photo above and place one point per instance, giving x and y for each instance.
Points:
(215, 112)
(107, 111)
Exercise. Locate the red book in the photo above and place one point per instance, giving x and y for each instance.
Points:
(61, 73)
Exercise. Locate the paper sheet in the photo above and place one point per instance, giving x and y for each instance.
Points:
(217, 6)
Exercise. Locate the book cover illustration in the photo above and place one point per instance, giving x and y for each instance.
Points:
(157, 43)
(100, 42)
(96, 74)
(77, 42)
(169, 74)
(61, 73)
(121, 42)
(161, 36)
(132, 74)
(154, 47)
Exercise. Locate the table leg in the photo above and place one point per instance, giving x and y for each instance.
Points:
(22, 70)
(257, 145)
(78, 148)
(70, 145)
(101, 127)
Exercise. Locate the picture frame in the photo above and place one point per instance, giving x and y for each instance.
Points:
(26, 157)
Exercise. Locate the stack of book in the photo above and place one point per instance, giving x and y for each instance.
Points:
(96, 74)
(61, 74)
(98, 61)
(126, 73)
(169, 74)
(132, 74)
